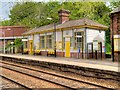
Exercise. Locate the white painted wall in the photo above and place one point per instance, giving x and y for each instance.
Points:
(59, 36)
(30, 37)
(67, 33)
(79, 29)
(92, 33)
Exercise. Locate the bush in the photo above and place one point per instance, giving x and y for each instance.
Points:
(108, 48)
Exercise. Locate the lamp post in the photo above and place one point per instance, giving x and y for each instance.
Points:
(112, 41)
(54, 36)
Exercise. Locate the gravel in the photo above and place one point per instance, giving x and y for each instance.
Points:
(28, 80)
(8, 84)
(107, 83)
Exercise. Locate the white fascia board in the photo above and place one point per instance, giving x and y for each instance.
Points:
(11, 37)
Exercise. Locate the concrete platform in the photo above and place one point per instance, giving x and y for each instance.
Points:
(105, 64)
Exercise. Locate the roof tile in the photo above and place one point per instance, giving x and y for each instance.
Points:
(71, 23)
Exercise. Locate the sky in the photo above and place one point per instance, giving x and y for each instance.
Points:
(6, 6)
(5, 9)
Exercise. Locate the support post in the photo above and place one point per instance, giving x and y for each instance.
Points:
(55, 39)
(101, 49)
(96, 53)
(112, 41)
(92, 50)
(82, 47)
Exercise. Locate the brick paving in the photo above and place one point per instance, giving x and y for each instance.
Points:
(104, 64)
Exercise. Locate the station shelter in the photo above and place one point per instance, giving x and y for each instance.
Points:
(82, 38)
(7, 35)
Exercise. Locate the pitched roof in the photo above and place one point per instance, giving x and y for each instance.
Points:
(84, 22)
(42, 28)
(81, 22)
(116, 10)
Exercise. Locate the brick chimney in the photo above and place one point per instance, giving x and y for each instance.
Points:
(63, 15)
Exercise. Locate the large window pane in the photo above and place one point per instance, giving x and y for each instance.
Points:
(49, 41)
(42, 41)
(79, 40)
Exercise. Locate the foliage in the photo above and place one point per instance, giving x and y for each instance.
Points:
(108, 48)
(18, 42)
(34, 14)
(5, 23)
(8, 44)
(115, 4)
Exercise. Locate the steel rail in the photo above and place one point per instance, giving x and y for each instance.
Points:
(24, 86)
(59, 76)
(21, 72)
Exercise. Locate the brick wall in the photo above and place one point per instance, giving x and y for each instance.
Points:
(44, 53)
(11, 31)
(63, 15)
(115, 26)
(60, 54)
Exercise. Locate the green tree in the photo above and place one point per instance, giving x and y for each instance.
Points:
(114, 4)
(5, 23)
(18, 42)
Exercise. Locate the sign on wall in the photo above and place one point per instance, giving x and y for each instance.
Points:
(89, 47)
(59, 45)
(95, 44)
(116, 42)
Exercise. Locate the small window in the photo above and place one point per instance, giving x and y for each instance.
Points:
(42, 41)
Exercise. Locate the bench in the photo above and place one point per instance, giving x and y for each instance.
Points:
(50, 52)
(25, 51)
(37, 52)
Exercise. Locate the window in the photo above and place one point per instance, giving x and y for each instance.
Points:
(42, 41)
(71, 41)
(79, 40)
(49, 41)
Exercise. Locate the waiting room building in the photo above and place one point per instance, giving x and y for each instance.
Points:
(82, 38)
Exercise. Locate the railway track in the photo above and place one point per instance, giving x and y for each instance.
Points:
(17, 83)
(18, 68)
